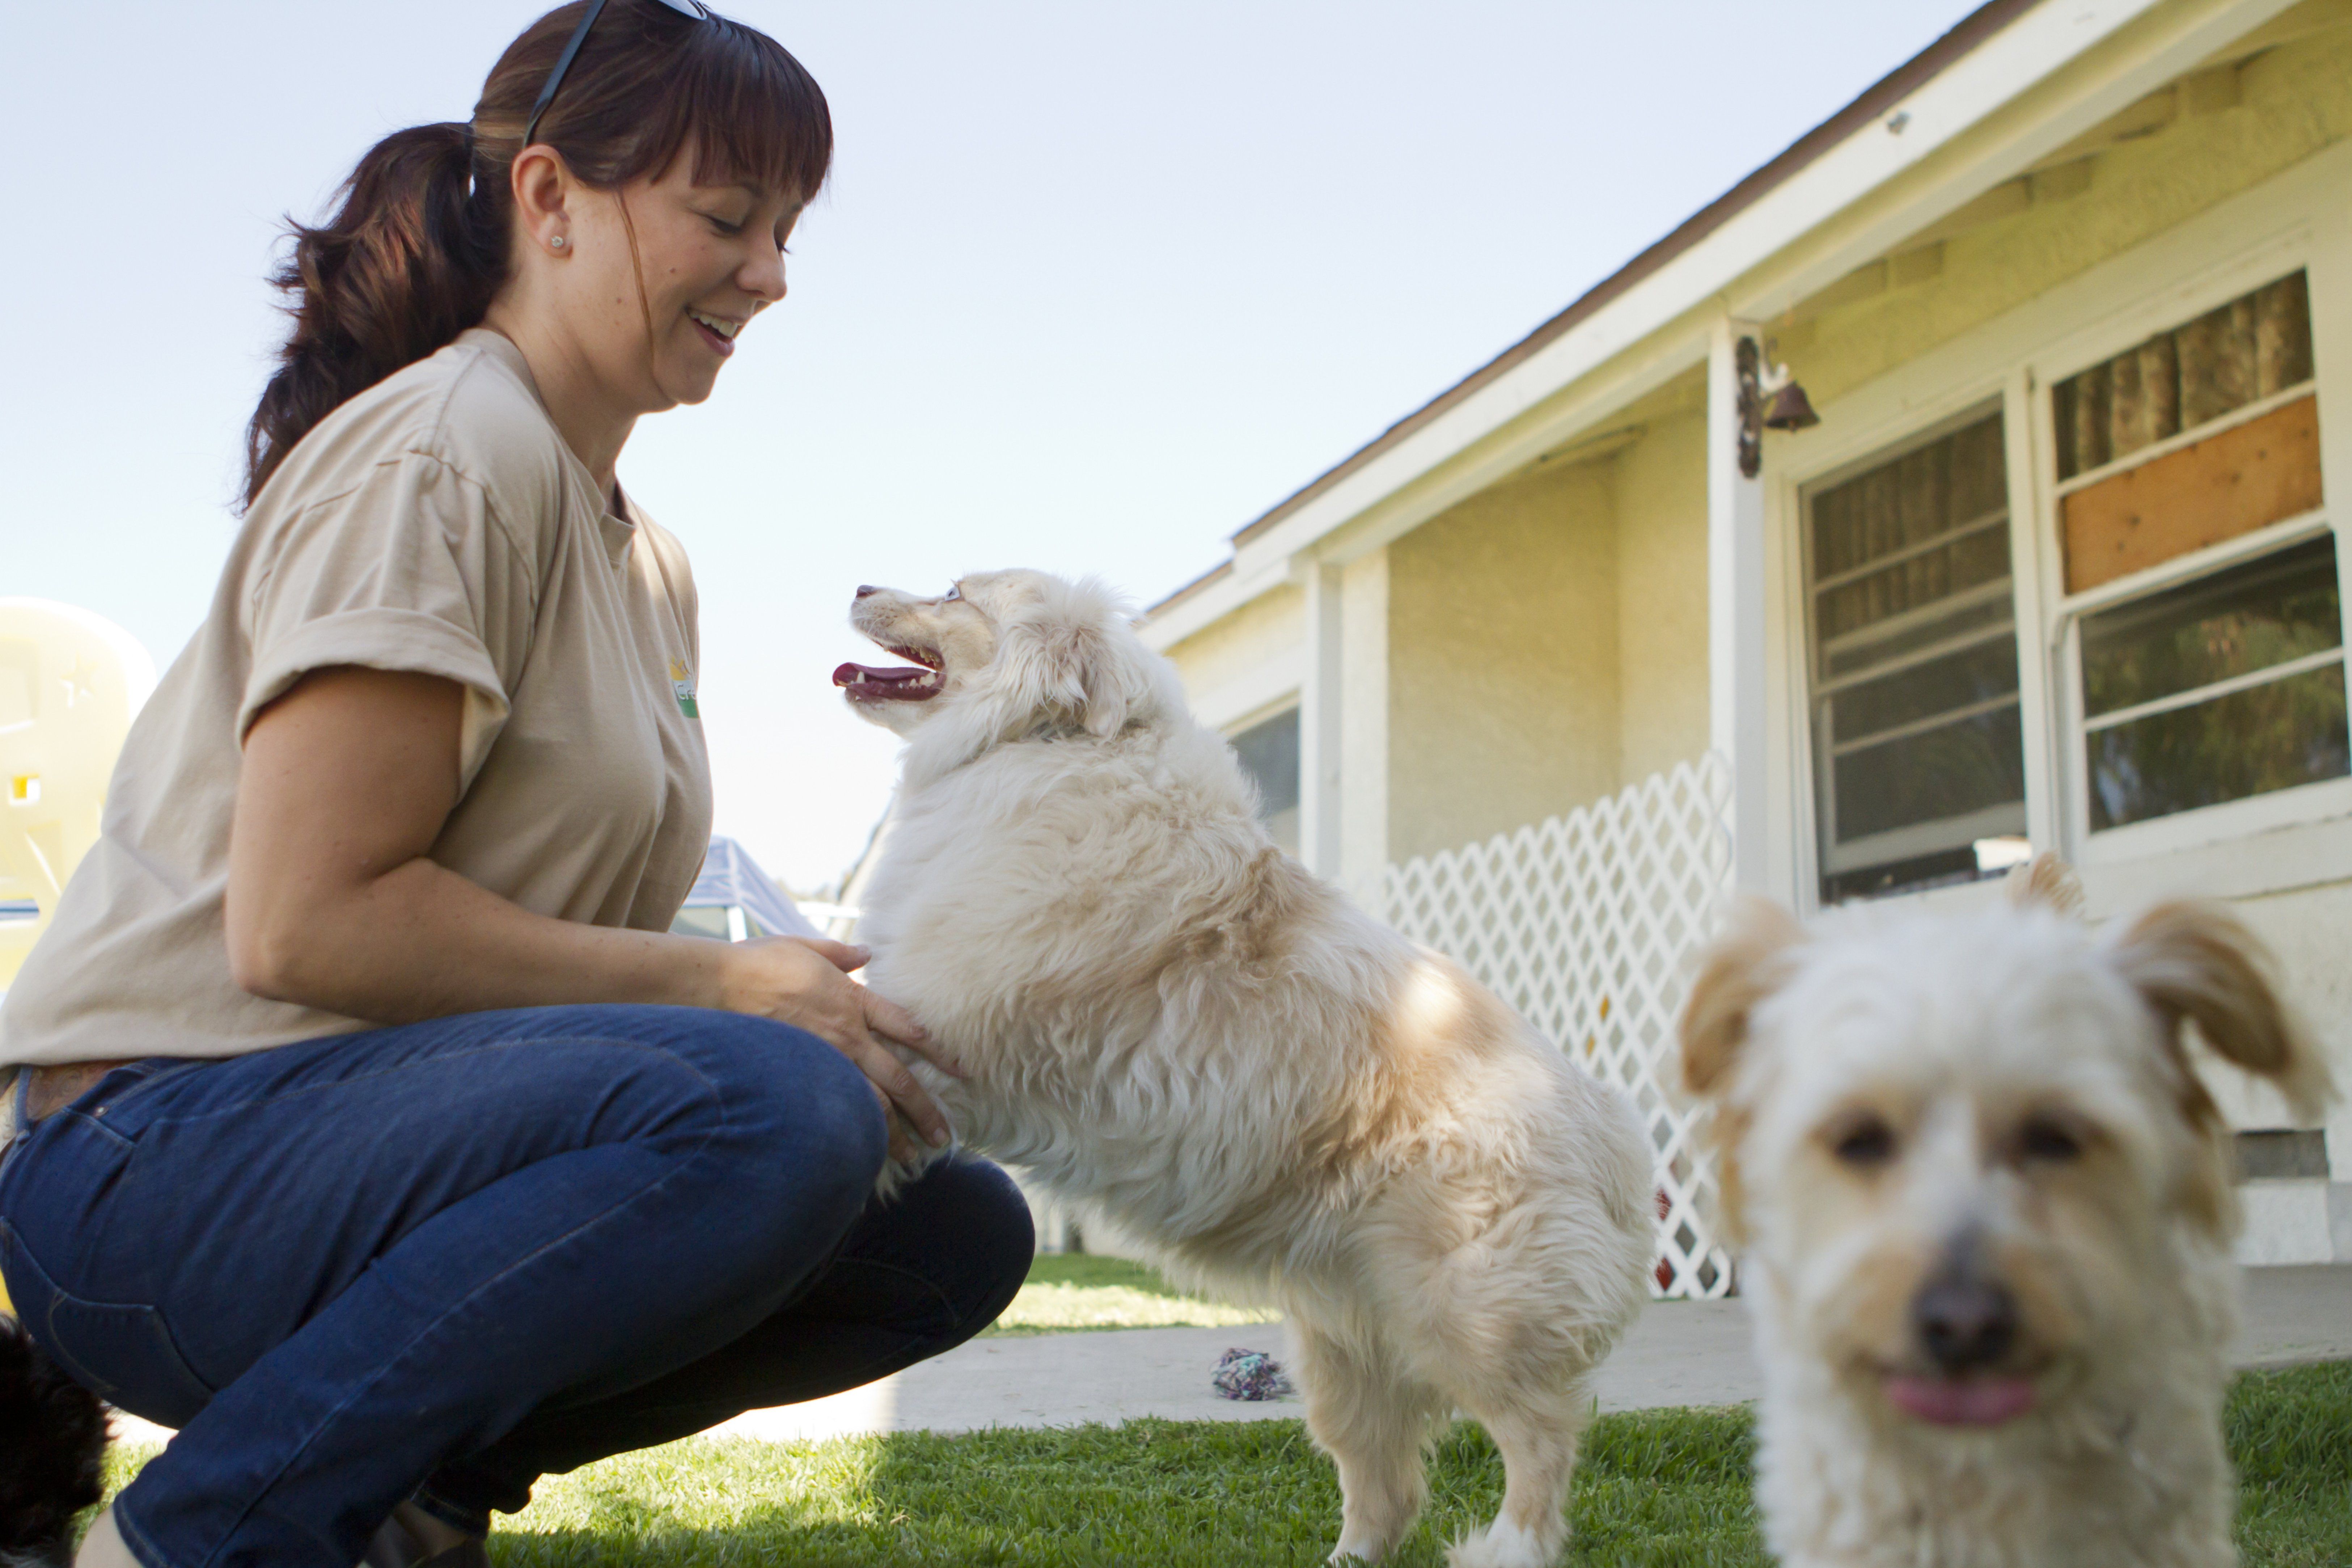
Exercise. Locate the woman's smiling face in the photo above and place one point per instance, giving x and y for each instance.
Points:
(707, 257)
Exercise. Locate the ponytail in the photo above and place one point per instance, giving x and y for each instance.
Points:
(410, 261)
(420, 247)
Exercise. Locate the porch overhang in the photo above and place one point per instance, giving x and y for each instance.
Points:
(2012, 83)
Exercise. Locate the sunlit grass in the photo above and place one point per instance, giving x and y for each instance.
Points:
(1076, 1290)
(1660, 1486)
(2291, 1437)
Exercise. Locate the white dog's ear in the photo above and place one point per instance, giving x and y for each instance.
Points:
(1088, 660)
(2196, 961)
(1746, 963)
(2045, 883)
(1065, 658)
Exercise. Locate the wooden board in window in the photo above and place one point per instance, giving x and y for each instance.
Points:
(2247, 477)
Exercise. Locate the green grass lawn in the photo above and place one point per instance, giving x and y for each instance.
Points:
(1666, 1487)
(1077, 1290)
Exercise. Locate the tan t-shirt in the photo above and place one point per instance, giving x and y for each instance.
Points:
(436, 522)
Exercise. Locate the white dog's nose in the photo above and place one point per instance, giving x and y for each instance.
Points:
(1965, 1325)
(865, 588)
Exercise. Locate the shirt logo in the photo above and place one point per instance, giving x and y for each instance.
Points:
(681, 685)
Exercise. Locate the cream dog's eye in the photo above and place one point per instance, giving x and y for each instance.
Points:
(1866, 1141)
(951, 594)
(2043, 1138)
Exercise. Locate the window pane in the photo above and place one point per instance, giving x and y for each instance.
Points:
(1939, 869)
(2247, 619)
(1914, 758)
(2218, 488)
(2249, 742)
(1954, 771)
(1928, 491)
(2256, 345)
(1269, 755)
(1863, 653)
(1959, 679)
(1969, 561)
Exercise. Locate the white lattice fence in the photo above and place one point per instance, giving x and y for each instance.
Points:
(1585, 924)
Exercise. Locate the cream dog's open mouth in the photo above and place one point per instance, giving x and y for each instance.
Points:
(867, 683)
(1968, 1401)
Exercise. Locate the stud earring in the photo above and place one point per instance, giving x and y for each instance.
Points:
(559, 242)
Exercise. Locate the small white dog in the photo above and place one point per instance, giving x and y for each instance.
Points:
(1987, 1216)
(1165, 1017)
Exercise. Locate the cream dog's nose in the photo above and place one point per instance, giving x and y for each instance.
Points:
(865, 588)
(1964, 1325)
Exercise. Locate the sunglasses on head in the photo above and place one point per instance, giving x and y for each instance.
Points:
(694, 9)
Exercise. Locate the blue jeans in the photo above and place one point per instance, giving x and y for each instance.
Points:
(443, 1260)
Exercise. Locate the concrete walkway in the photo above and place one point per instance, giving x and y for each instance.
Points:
(1680, 1352)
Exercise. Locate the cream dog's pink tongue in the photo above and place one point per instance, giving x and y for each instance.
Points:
(1961, 1402)
(902, 682)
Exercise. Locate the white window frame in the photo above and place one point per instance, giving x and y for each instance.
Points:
(2289, 839)
(2155, 312)
(1252, 718)
(1869, 450)
(1294, 702)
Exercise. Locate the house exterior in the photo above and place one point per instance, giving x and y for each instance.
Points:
(1553, 661)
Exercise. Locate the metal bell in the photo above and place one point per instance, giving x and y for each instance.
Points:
(1790, 409)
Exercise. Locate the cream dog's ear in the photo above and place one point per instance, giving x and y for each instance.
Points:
(1066, 658)
(2045, 883)
(1101, 665)
(2196, 961)
(1746, 963)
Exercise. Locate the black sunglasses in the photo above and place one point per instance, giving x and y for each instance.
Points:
(690, 8)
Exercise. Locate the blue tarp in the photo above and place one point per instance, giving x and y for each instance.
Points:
(730, 876)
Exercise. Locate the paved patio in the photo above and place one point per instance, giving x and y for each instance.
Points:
(1681, 1352)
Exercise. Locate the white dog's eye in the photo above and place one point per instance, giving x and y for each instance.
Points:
(2042, 1138)
(951, 594)
(1864, 1142)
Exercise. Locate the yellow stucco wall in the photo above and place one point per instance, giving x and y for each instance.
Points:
(1662, 597)
(2291, 102)
(1503, 639)
(1547, 641)
(1266, 628)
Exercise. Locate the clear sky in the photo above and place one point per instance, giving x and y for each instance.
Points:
(1094, 285)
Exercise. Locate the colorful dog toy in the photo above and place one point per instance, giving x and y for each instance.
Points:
(1251, 1374)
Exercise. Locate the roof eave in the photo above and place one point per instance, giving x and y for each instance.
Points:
(1827, 171)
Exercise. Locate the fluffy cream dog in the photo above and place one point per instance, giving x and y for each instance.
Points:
(1987, 1216)
(1165, 1017)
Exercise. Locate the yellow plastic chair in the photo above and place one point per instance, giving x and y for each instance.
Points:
(69, 683)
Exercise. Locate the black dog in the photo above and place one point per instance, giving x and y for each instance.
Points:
(52, 1449)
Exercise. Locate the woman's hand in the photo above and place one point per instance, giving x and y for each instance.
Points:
(805, 983)
(334, 900)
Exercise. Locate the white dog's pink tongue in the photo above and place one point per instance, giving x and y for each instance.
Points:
(865, 681)
(1961, 1402)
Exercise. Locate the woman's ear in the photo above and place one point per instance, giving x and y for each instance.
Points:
(2194, 960)
(541, 187)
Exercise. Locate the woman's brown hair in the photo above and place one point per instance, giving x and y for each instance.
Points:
(419, 245)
